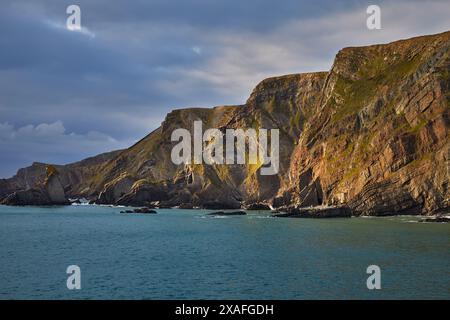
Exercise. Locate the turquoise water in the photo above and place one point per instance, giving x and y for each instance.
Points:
(182, 254)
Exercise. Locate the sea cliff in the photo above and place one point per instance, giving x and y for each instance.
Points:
(371, 135)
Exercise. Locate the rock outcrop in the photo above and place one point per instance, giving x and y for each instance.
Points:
(372, 134)
(74, 177)
(258, 206)
(227, 213)
(436, 220)
(316, 212)
(48, 192)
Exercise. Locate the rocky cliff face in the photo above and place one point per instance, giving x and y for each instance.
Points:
(379, 142)
(145, 171)
(372, 134)
(48, 192)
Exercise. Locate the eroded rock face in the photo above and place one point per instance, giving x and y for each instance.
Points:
(55, 190)
(380, 143)
(257, 206)
(142, 193)
(115, 189)
(33, 196)
(371, 135)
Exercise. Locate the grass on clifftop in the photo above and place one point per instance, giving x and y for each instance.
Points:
(353, 95)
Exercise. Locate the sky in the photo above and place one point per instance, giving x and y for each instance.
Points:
(66, 95)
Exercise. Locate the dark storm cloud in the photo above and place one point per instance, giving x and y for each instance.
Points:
(65, 95)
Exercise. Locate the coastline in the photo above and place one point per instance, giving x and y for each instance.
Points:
(365, 135)
(309, 212)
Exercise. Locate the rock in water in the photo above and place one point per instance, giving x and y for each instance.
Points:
(436, 219)
(257, 206)
(317, 212)
(144, 210)
(127, 211)
(225, 213)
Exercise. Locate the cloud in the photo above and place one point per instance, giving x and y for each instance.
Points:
(197, 50)
(50, 143)
(242, 58)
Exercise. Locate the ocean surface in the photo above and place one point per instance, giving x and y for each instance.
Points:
(183, 254)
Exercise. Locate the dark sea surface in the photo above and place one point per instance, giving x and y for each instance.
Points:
(183, 254)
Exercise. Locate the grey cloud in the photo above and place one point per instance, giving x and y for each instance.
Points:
(51, 143)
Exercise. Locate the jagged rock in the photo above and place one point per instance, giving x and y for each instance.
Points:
(225, 213)
(436, 219)
(76, 176)
(257, 206)
(49, 192)
(143, 193)
(380, 142)
(317, 212)
(54, 188)
(116, 189)
(282, 200)
(36, 197)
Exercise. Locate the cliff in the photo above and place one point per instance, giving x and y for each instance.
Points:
(72, 176)
(48, 192)
(372, 134)
(379, 142)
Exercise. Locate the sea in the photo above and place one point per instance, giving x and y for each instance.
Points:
(186, 254)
